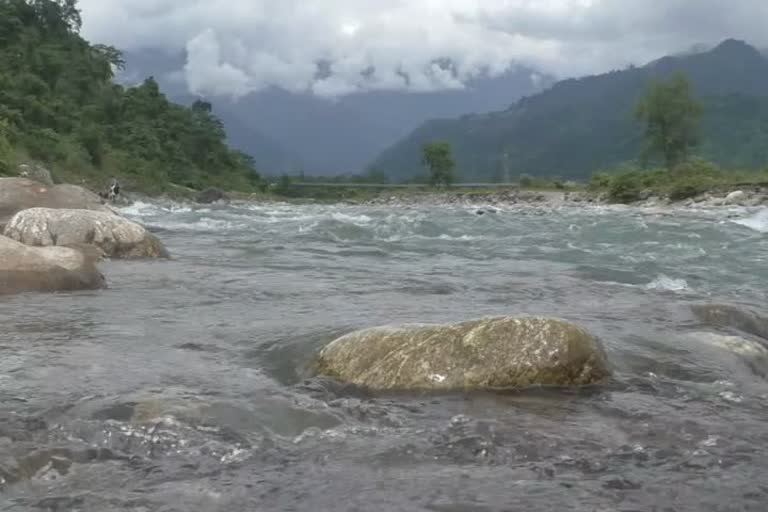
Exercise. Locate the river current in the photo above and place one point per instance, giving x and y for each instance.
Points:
(182, 387)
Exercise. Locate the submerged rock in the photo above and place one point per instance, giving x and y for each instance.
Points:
(116, 236)
(724, 315)
(45, 269)
(734, 344)
(212, 195)
(18, 194)
(492, 353)
(747, 352)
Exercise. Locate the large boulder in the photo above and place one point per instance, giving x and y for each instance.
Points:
(492, 353)
(116, 236)
(212, 195)
(45, 269)
(18, 194)
(733, 317)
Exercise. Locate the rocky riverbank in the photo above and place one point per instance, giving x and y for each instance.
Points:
(752, 196)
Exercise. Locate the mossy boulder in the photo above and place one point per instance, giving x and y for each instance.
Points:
(491, 353)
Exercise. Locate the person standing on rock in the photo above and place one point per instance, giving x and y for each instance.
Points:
(113, 191)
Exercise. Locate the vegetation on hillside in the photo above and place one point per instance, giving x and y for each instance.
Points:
(581, 125)
(59, 105)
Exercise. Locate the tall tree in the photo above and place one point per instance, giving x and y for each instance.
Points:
(438, 157)
(6, 152)
(671, 115)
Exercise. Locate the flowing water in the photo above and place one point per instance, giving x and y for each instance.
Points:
(182, 387)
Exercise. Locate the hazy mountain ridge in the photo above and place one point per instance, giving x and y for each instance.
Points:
(287, 132)
(581, 125)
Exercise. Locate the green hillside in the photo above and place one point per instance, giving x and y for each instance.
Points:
(580, 126)
(59, 105)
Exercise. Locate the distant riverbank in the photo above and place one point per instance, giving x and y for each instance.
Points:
(747, 196)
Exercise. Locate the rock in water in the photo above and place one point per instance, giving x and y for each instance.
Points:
(35, 172)
(493, 353)
(18, 194)
(212, 195)
(724, 315)
(116, 236)
(45, 269)
(735, 197)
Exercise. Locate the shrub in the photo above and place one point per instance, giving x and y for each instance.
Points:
(681, 191)
(600, 181)
(626, 188)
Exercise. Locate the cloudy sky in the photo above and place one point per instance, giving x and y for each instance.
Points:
(337, 47)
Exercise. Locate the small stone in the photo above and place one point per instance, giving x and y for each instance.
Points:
(620, 484)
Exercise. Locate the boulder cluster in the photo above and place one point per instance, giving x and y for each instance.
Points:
(53, 236)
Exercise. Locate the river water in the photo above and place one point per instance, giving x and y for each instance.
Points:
(182, 386)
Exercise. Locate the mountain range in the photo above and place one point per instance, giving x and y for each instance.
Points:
(288, 133)
(579, 126)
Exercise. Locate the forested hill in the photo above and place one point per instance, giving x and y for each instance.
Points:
(580, 126)
(59, 105)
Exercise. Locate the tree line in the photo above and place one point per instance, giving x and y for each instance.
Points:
(60, 105)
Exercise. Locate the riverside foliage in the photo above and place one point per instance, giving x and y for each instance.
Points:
(60, 105)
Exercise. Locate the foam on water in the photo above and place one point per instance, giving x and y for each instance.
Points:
(666, 283)
(757, 222)
(142, 210)
(358, 220)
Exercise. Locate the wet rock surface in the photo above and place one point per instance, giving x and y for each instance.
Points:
(493, 353)
(115, 236)
(45, 269)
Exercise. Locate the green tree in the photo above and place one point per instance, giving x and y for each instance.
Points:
(672, 116)
(438, 157)
(6, 152)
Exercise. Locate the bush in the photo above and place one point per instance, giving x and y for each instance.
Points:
(525, 180)
(625, 188)
(600, 181)
(681, 191)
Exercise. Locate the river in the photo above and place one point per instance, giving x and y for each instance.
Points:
(182, 387)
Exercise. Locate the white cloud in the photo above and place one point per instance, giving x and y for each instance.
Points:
(239, 46)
